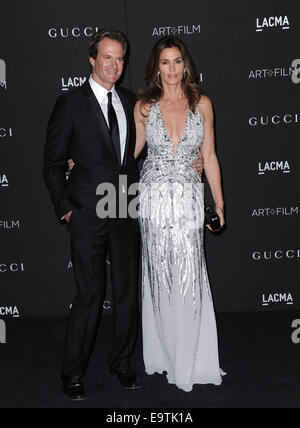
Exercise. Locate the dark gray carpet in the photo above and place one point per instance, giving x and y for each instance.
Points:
(256, 350)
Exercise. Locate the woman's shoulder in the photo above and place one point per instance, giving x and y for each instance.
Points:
(206, 107)
(205, 101)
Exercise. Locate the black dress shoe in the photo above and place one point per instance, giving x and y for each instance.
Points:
(126, 376)
(73, 388)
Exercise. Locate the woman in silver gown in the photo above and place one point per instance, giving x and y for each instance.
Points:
(176, 121)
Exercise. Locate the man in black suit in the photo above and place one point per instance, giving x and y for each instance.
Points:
(94, 125)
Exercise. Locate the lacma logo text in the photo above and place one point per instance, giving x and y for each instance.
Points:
(3, 180)
(274, 166)
(11, 311)
(272, 22)
(72, 82)
(286, 298)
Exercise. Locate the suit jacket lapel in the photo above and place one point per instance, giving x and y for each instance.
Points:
(128, 113)
(99, 118)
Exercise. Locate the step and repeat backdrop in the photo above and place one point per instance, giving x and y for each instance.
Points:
(248, 60)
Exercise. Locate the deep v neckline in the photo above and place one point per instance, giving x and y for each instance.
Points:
(167, 133)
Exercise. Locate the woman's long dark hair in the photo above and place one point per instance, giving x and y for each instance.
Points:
(190, 88)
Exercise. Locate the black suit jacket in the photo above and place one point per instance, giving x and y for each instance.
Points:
(77, 129)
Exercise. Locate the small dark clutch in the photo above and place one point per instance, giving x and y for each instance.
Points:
(212, 218)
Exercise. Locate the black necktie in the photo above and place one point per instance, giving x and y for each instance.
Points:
(113, 126)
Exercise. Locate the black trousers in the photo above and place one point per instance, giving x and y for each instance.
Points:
(91, 241)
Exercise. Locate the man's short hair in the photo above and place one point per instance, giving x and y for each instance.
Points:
(111, 34)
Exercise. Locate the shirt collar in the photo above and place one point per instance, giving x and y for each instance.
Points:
(100, 92)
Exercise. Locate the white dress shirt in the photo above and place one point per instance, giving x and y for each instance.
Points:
(101, 95)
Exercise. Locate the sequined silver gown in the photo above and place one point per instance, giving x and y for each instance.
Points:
(179, 327)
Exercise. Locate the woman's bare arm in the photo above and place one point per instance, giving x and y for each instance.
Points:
(211, 163)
